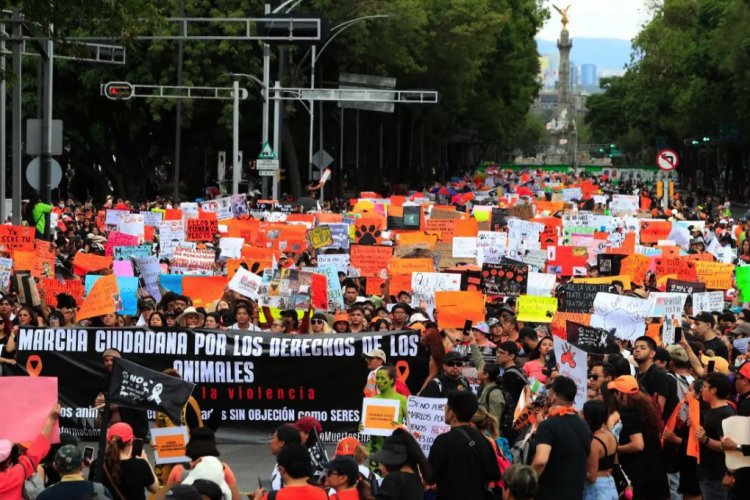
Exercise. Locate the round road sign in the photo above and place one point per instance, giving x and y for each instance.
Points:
(34, 173)
(667, 159)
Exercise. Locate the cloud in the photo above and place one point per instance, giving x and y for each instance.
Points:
(598, 18)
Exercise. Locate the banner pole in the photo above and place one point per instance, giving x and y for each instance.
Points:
(99, 463)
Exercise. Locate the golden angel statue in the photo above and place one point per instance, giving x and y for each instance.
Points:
(564, 14)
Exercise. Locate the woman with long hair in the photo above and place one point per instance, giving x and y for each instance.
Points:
(639, 447)
(599, 482)
(126, 476)
(157, 320)
(8, 344)
(744, 253)
(319, 324)
(403, 465)
(491, 395)
(541, 359)
(26, 317)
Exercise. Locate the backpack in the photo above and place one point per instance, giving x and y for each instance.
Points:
(506, 421)
(461, 379)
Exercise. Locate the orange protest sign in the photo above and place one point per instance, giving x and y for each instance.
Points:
(417, 238)
(454, 308)
(397, 200)
(370, 260)
(201, 229)
(85, 263)
(373, 285)
(23, 260)
(283, 237)
(399, 283)
(661, 281)
(173, 214)
(204, 289)
(368, 230)
(681, 266)
(654, 230)
(606, 280)
(44, 263)
(467, 228)
(669, 250)
(628, 245)
(653, 330)
(559, 324)
(548, 206)
(381, 416)
(330, 218)
(170, 445)
(258, 259)
(53, 287)
(245, 228)
(716, 275)
(17, 237)
(444, 228)
(101, 299)
(635, 266)
(406, 266)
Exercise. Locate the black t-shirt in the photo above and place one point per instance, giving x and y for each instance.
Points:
(712, 465)
(741, 487)
(513, 382)
(655, 381)
(441, 385)
(74, 490)
(646, 469)
(399, 485)
(717, 346)
(565, 472)
(459, 469)
(135, 476)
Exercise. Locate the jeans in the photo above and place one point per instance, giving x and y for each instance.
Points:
(674, 483)
(603, 489)
(712, 490)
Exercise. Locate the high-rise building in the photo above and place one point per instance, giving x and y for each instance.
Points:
(588, 75)
(574, 75)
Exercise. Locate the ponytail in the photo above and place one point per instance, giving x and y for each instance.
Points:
(112, 462)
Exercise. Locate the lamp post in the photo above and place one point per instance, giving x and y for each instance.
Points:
(266, 104)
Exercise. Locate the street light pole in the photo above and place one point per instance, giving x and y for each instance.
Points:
(236, 168)
(276, 136)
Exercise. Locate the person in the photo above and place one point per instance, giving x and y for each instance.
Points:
(563, 443)
(385, 379)
(653, 379)
(7, 346)
(599, 482)
(136, 419)
(319, 324)
(15, 470)
(293, 463)
(243, 316)
(72, 485)
(712, 467)
(404, 467)
(639, 445)
(491, 395)
(449, 380)
(514, 380)
(538, 366)
(309, 433)
(126, 476)
(400, 316)
(284, 435)
(740, 477)
(599, 376)
(462, 461)
(357, 322)
(36, 213)
(520, 483)
(342, 475)
(375, 358)
(703, 328)
(190, 318)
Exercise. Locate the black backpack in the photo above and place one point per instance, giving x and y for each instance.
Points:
(506, 421)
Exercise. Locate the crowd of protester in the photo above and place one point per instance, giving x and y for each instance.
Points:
(635, 437)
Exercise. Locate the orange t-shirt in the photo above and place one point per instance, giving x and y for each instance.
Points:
(305, 492)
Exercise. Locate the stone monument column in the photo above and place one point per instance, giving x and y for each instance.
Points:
(564, 44)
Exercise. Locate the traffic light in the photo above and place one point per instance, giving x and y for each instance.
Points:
(706, 139)
(118, 91)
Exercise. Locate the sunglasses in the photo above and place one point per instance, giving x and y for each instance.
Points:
(593, 377)
(454, 363)
(317, 321)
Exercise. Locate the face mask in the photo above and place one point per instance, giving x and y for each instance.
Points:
(741, 344)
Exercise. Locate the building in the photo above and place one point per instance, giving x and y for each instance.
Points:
(588, 75)
(575, 76)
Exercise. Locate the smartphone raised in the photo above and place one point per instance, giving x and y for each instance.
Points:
(137, 447)
(678, 335)
(711, 366)
(467, 327)
(88, 454)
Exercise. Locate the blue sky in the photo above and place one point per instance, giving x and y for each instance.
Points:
(598, 18)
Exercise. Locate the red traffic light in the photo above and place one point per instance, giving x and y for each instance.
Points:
(118, 91)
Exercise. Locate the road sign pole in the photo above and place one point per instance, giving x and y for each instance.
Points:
(266, 98)
(277, 138)
(3, 155)
(17, 118)
(236, 138)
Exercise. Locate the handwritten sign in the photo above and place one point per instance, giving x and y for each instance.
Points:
(424, 285)
(201, 229)
(536, 309)
(590, 339)
(688, 287)
(245, 283)
(381, 416)
(572, 362)
(579, 297)
(320, 237)
(17, 237)
(505, 279)
(716, 275)
(370, 260)
(708, 302)
(187, 261)
(104, 298)
(426, 417)
(625, 315)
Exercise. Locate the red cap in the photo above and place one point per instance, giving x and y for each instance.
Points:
(121, 430)
(307, 424)
(346, 447)
(744, 370)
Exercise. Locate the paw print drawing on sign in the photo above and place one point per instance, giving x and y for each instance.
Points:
(367, 235)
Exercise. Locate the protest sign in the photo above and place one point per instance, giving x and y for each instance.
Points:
(443, 228)
(123, 268)
(457, 307)
(680, 266)
(708, 302)
(27, 401)
(505, 279)
(152, 218)
(626, 315)
(405, 266)
(536, 309)
(464, 247)
(635, 266)
(426, 417)
(335, 295)
(716, 275)
(171, 233)
(204, 290)
(425, 284)
(491, 247)
(579, 297)
(125, 253)
(567, 261)
(201, 229)
(245, 283)
(320, 237)
(591, 340)
(113, 217)
(340, 261)
(541, 284)
(560, 319)
(116, 238)
(688, 287)
(371, 260)
(222, 207)
(52, 287)
(738, 429)
(132, 224)
(380, 416)
(339, 235)
(23, 260)
(44, 260)
(187, 261)
(127, 292)
(572, 363)
(231, 248)
(670, 307)
(84, 263)
(104, 298)
(742, 274)
(148, 269)
(169, 444)
(6, 266)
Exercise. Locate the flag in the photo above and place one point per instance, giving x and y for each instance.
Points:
(137, 387)
(590, 339)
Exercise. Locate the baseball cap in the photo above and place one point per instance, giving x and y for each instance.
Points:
(68, 458)
(705, 317)
(677, 353)
(307, 424)
(121, 430)
(375, 353)
(626, 384)
(418, 317)
(482, 327)
(5, 448)
(741, 328)
(744, 370)
(183, 492)
(721, 365)
(346, 447)
(345, 466)
(453, 356)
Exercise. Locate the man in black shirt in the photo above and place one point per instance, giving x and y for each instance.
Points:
(450, 380)
(741, 487)
(513, 378)
(136, 418)
(563, 442)
(711, 468)
(462, 460)
(653, 379)
(703, 327)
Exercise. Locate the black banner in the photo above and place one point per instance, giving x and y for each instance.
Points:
(255, 380)
(590, 339)
(579, 297)
(689, 287)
